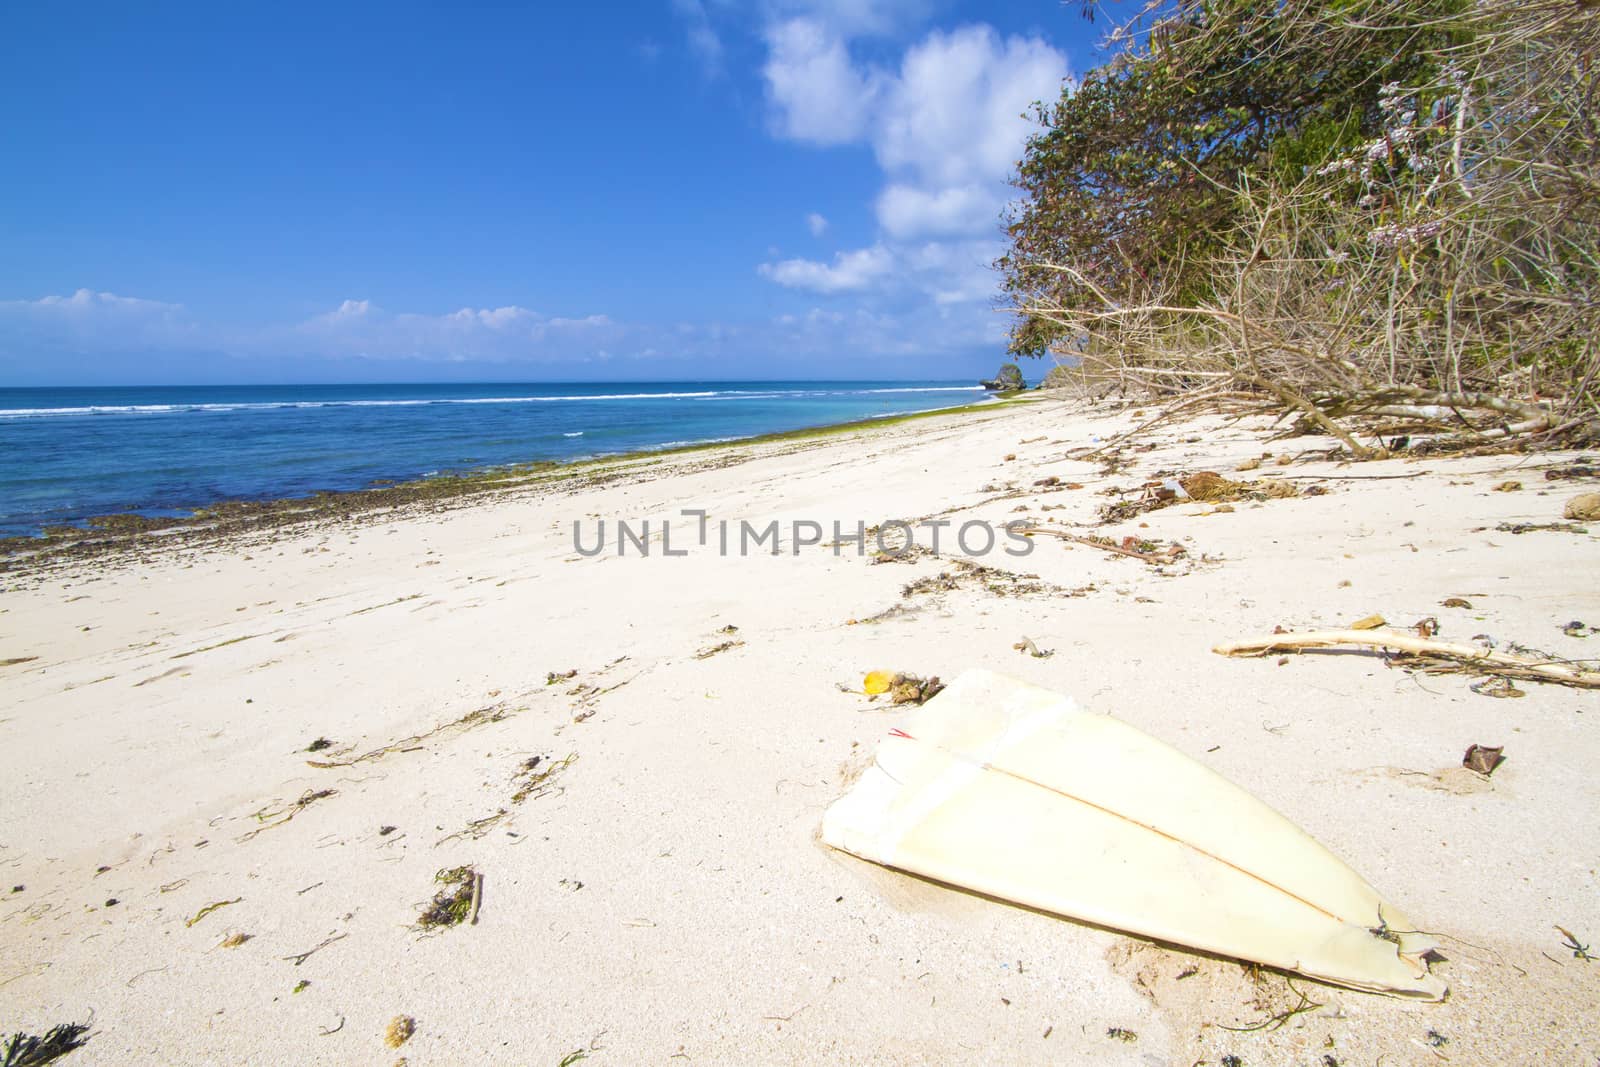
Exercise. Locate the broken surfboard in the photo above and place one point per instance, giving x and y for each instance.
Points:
(1015, 792)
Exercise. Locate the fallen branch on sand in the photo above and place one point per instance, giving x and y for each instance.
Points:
(1486, 660)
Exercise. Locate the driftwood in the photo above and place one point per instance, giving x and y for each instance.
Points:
(1486, 660)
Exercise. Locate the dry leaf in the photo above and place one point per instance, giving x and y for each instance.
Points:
(1483, 759)
(1508, 487)
(1455, 602)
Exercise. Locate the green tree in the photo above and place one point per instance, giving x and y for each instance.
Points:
(1131, 177)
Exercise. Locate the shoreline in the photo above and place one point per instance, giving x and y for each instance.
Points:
(99, 534)
(232, 771)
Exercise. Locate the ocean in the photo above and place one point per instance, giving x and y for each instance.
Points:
(69, 453)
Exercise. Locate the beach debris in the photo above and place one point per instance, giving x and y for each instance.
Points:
(1009, 456)
(1535, 527)
(996, 761)
(1455, 602)
(536, 783)
(1508, 487)
(323, 1031)
(1583, 468)
(877, 682)
(1052, 480)
(1206, 487)
(1584, 508)
(1133, 547)
(1486, 660)
(1579, 950)
(1117, 1033)
(452, 904)
(1483, 759)
(1496, 686)
(555, 678)
(300, 957)
(707, 653)
(26, 1050)
(534, 778)
(279, 816)
(471, 720)
(209, 908)
(901, 688)
(15, 660)
(1371, 622)
(319, 744)
(235, 940)
(729, 629)
(399, 1031)
(301, 986)
(1577, 628)
(1027, 645)
(1427, 627)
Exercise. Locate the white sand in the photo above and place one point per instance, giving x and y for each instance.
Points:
(669, 895)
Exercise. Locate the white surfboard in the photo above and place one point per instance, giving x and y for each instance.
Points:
(1013, 791)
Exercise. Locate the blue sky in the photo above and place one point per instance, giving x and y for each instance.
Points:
(657, 190)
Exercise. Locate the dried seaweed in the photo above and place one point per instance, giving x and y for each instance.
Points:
(209, 908)
(452, 904)
(534, 782)
(399, 1031)
(1206, 487)
(27, 1050)
(279, 816)
(472, 719)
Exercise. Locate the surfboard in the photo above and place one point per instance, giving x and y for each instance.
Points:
(1013, 791)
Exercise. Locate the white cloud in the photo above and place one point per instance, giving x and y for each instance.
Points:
(910, 211)
(951, 117)
(90, 320)
(945, 124)
(819, 95)
(816, 224)
(854, 18)
(702, 36)
(850, 271)
(361, 328)
(955, 112)
(87, 301)
(90, 334)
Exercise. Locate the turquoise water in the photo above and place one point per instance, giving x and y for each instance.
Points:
(67, 454)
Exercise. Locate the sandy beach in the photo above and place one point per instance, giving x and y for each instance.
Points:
(231, 769)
